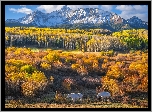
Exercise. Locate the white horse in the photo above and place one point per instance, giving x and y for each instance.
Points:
(75, 96)
(104, 95)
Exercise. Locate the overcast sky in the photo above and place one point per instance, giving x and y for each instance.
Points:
(125, 11)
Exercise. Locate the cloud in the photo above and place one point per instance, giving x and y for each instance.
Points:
(12, 9)
(21, 10)
(128, 11)
(23, 5)
(49, 8)
(125, 7)
(107, 7)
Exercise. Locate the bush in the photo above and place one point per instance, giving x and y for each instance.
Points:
(29, 88)
(110, 85)
(114, 71)
(45, 66)
(75, 66)
(28, 69)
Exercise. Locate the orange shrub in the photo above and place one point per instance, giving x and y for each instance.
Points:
(110, 85)
(45, 66)
(144, 84)
(75, 66)
(132, 81)
(114, 71)
(35, 82)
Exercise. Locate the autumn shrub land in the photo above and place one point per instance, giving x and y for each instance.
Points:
(43, 65)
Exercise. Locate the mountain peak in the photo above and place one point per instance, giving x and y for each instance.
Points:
(82, 17)
(37, 12)
(135, 22)
(65, 8)
(134, 17)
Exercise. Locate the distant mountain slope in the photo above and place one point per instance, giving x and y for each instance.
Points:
(80, 18)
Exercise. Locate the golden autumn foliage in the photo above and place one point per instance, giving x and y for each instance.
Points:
(74, 60)
(28, 88)
(129, 77)
(115, 70)
(144, 84)
(59, 98)
(126, 72)
(28, 69)
(110, 85)
(75, 39)
(45, 65)
(35, 82)
(75, 66)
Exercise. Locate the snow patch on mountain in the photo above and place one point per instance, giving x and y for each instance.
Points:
(68, 16)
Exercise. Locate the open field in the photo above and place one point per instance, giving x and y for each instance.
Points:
(45, 105)
(72, 105)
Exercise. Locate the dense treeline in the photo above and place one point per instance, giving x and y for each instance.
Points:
(91, 40)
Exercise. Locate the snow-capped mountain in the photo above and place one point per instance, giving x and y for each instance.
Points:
(12, 21)
(136, 22)
(92, 17)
